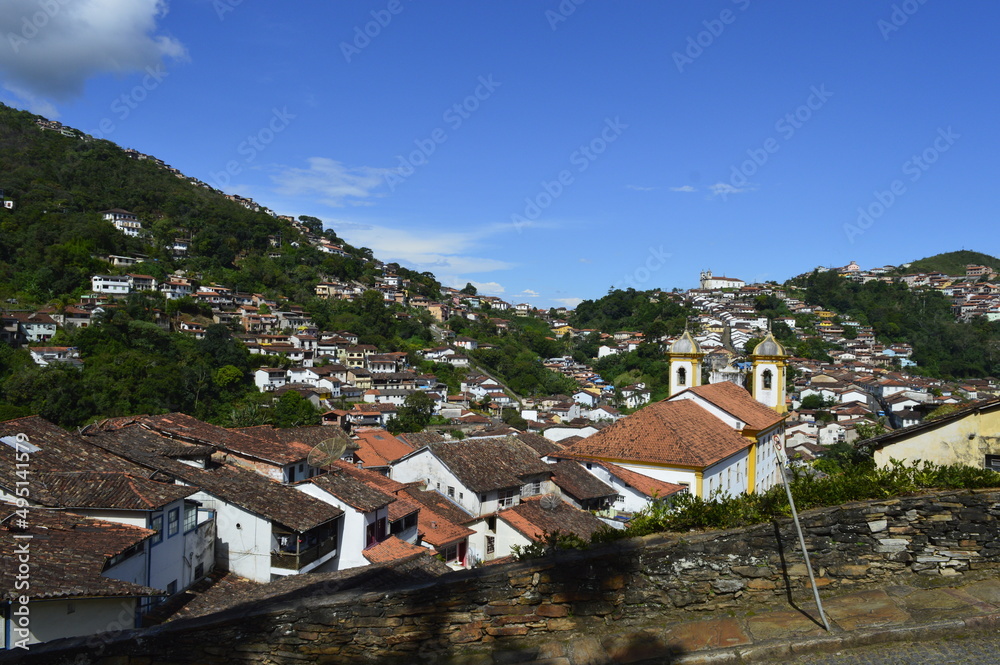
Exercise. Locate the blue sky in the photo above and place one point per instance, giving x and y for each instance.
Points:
(547, 151)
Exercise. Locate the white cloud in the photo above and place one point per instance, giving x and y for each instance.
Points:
(724, 189)
(450, 255)
(585, 261)
(528, 293)
(638, 188)
(488, 288)
(335, 183)
(683, 188)
(52, 49)
(569, 303)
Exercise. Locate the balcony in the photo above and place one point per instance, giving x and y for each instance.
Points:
(298, 561)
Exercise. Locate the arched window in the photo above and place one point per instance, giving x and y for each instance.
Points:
(682, 377)
(767, 376)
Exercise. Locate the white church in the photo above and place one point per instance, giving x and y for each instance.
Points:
(715, 439)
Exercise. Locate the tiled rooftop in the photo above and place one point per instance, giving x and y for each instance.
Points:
(68, 554)
(668, 432)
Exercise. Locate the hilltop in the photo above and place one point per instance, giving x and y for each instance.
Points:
(953, 263)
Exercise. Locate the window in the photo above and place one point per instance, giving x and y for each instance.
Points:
(491, 523)
(682, 377)
(172, 588)
(531, 489)
(767, 377)
(993, 462)
(156, 524)
(451, 492)
(173, 522)
(491, 544)
(455, 553)
(506, 498)
(190, 517)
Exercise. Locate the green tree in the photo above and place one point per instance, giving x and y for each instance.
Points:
(414, 415)
(293, 410)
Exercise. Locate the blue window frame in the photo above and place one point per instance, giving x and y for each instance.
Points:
(156, 524)
(173, 522)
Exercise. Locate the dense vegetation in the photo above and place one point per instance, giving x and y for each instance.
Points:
(516, 359)
(942, 346)
(131, 366)
(856, 482)
(50, 243)
(952, 263)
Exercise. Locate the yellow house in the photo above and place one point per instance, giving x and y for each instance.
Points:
(968, 436)
(562, 330)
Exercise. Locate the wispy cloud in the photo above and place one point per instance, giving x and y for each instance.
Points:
(639, 188)
(334, 183)
(528, 293)
(451, 255)
(569, 303)
(51, 60)
(724, 189)
(585, 261)
(683, 188)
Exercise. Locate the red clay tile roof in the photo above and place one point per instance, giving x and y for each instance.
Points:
(489, 464)
(533, 520)
(392, 549)
(350, 490)
(377, 447)
(285, 505)
(736, 401)
(108, 489)
(677, 433)
(68, 554)
(189, 428)
(439, 521)
(648, 486)
(578, 482)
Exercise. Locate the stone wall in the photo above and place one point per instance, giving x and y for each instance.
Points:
(605, 590)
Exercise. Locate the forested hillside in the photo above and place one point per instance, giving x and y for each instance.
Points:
(50, 241)
(952, 263)
(942, 346)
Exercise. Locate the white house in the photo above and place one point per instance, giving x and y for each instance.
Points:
(482, 475)
(118, 285)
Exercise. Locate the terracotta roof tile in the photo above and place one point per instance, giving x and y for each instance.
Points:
(392, 549)
(736, 401)
(679, 433)
(377, 447)
(489, 464)
(350, 490)
(265, 448)
(68, 555)
(285, 505)
(649, 486)
(578, 482)
(533, 520)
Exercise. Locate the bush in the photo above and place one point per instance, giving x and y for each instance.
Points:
(809, 489)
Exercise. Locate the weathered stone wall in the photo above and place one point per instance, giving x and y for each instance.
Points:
(599, 591)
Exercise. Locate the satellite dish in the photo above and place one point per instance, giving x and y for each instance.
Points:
(550, 501)
(328, 451)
